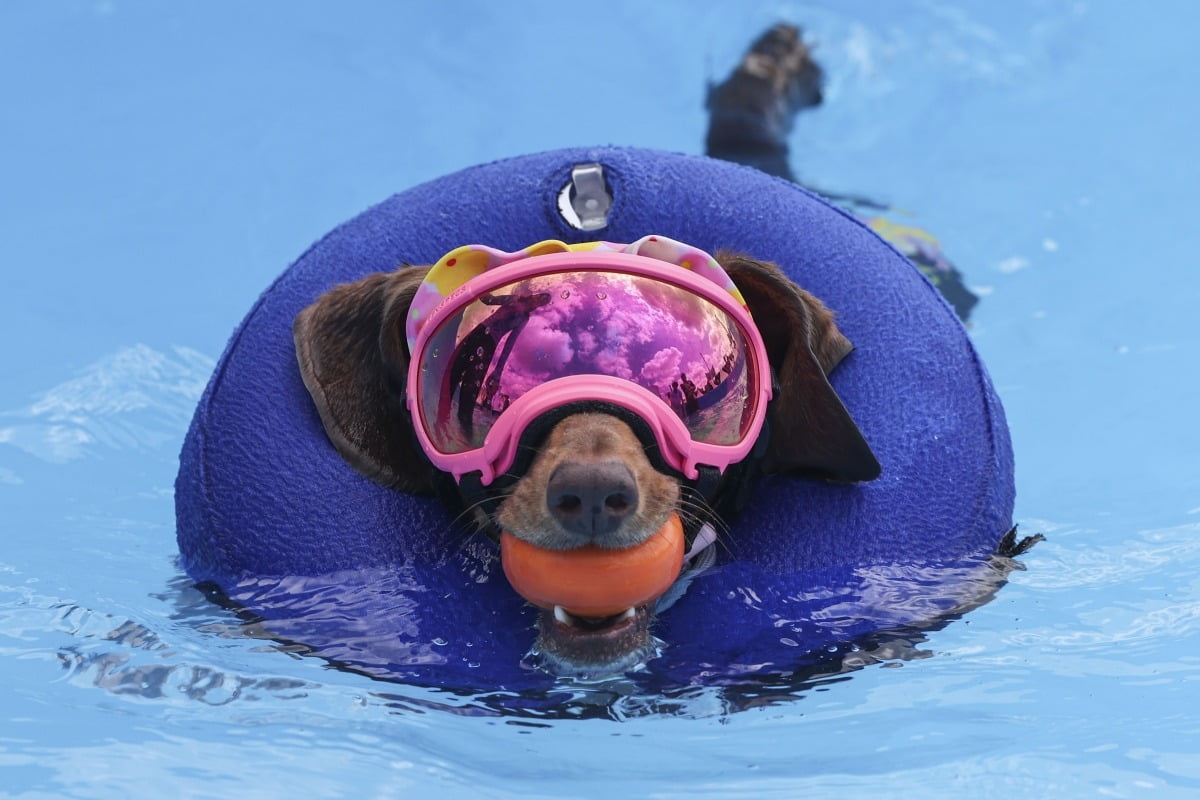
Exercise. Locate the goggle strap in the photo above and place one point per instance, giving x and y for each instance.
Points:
(727, 493)
(703, 492)
(732, 493)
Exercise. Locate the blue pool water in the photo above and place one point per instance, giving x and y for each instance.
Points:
(161, 164)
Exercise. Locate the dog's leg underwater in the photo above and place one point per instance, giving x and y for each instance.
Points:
(751, 112)
(750, 119)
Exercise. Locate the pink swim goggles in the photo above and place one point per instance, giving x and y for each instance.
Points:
(656, 328)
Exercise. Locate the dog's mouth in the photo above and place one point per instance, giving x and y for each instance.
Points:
(599, 647)
(569, 644)
(568, 624)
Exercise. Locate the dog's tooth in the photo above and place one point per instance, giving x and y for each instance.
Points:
(629, 613)
(561, 615)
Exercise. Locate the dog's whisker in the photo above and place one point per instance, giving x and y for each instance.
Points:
(464, 527)
(528, 448)
(699, 512)
(459, 522)
(703, 510)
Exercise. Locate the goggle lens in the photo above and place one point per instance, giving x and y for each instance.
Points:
(672, 342)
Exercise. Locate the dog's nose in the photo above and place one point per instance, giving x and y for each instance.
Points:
(591, 499)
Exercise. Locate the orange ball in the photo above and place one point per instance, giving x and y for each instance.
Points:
(595, 581)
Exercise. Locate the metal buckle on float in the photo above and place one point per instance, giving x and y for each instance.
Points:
(585, 202)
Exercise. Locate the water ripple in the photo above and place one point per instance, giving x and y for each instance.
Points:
(124, 656)
(137, 398)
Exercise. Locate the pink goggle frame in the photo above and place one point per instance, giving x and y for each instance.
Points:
(526, 337)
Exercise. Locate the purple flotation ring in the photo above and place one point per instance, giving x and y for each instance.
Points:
(368, 577)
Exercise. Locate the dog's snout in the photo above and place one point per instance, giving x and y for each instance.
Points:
(591, 499)
(590, 483)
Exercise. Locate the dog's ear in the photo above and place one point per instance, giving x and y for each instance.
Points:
(811, 432)
(353, 357)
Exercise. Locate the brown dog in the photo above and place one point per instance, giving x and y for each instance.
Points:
(590, 480)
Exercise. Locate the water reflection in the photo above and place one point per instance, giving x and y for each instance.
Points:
(128, 658)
